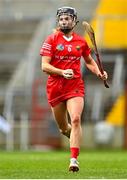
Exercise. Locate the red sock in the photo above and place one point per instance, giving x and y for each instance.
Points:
(74, 152)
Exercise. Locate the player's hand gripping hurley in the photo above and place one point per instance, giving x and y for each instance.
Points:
(91, 34)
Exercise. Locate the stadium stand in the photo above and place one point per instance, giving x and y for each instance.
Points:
(109, 24)
(116, 115)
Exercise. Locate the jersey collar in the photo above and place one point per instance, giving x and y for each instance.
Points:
(68, 38)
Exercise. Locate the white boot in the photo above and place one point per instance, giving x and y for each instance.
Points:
(74, 165)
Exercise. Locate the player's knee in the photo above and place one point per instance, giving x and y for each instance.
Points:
(75, 120)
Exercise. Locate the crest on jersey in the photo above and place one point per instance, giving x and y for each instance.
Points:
(60, 47)
(78, 48)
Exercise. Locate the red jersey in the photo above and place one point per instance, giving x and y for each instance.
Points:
(65, 52)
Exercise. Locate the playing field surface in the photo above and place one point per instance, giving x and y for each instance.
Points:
(54, 165)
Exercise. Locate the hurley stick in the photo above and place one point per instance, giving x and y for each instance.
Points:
(91, 34)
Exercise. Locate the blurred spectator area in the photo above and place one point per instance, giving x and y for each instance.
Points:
(23, 27)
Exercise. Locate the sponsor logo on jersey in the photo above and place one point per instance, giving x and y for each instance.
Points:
(78, 48)
(60, 47)
(67, 58)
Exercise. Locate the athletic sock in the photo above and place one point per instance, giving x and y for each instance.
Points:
(74, 152)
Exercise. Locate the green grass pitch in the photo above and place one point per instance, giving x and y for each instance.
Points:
(54, 165)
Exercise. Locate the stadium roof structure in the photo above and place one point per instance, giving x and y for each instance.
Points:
(110, 24)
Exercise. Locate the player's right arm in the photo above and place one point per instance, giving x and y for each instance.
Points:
(49, 69)
(47, 52)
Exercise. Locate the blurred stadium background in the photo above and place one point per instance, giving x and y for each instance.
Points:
(25, 117)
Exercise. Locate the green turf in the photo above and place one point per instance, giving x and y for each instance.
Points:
(48, 165)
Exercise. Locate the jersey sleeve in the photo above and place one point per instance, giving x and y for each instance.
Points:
(86, 50)
(47, 47)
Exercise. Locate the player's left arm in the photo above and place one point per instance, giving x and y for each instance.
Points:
(93, 67)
